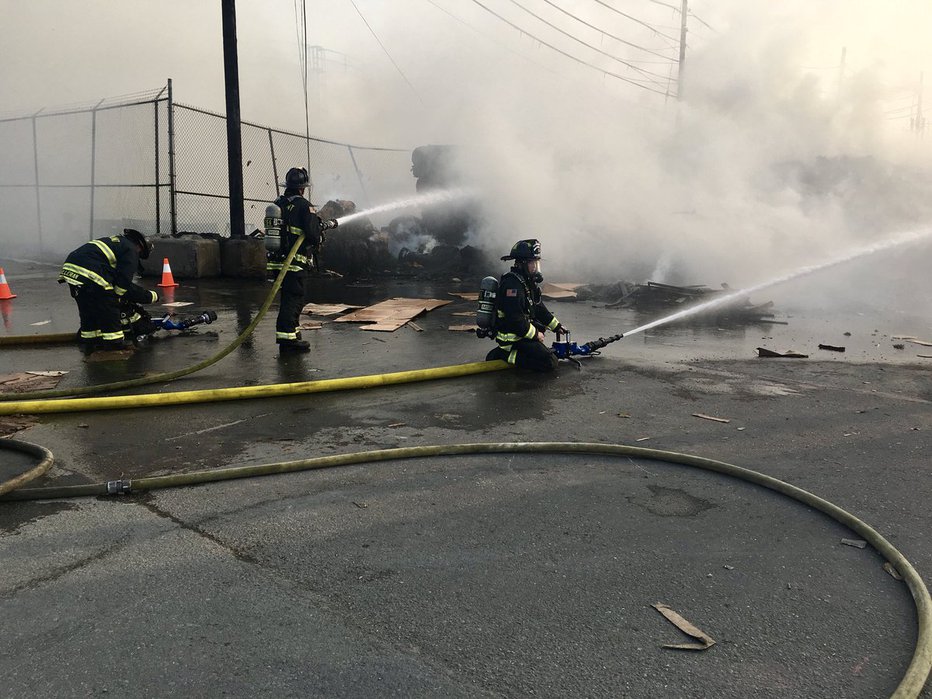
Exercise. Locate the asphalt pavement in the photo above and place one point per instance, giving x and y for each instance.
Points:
(505, 575)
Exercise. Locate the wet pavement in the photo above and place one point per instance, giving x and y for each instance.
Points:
(508, 575)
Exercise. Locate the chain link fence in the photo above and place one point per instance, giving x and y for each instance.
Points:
(141, 161)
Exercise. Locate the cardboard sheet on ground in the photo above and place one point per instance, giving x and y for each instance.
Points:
(559, 291)
(20, 383)
(390, 315)
(704, 641)
(327, 309)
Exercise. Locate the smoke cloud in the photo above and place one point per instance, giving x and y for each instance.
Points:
(778, 154)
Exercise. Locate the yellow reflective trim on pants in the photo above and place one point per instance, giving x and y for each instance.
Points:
(286, 336)
(111, 336)
(105, 249)
(70, 270)
(512, 356)
(89, 334)
(506, 338)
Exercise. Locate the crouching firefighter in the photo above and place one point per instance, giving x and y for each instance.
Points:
(521, 318)
(100, 277)
(287, 219)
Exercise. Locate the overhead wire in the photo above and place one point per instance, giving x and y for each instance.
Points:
(674, 39)
(602, 31)
(385, 50)
(488, 38)
(568, 55)
(590, 46)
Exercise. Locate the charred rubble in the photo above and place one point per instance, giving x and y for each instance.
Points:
(654, 297)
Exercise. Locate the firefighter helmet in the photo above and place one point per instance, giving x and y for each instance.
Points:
(297, 178)
(136, 237)
(524, 250)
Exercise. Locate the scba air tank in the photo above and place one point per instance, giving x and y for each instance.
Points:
(273, 228)
(485, 311)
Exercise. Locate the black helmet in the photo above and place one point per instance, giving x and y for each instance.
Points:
(524, 250)
(135, 236)
(297, 178)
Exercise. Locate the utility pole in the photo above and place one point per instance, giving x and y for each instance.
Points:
(918, 122)
(682, 62)
(841, 70)
(234, 135)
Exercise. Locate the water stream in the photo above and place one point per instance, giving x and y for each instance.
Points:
(897, 241)
(435, 197)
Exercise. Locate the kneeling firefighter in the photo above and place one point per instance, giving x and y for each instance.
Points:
(288, 218)
(521, 318)
(100, 277)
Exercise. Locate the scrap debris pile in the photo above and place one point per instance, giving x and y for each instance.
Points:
(654, 297)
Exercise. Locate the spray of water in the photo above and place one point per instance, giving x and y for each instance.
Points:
(433, 197)
(903, 239)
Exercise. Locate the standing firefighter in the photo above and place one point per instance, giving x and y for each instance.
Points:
(100, 277)
(297, 217)
(522, 318)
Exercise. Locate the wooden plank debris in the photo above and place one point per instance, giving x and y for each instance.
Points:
(412, 324)
(468, 296)
(921, 342)
(764, 352)
(832, 348)
(710, 417)
(310, 325)
(462, 328)
(703, 640)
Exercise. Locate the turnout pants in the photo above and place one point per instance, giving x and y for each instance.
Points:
(289, 309)
(99, 311)
(527, 354)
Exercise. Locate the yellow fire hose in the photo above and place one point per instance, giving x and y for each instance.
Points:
(210, 395)
(155, 378)
(910, 685)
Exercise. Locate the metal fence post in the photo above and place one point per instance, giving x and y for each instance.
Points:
(35, 161)
(93, 162)
(158, 217)
(362, 184)
(274, 164)
(171, 159)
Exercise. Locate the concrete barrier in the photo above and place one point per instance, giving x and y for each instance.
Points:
(190, 257)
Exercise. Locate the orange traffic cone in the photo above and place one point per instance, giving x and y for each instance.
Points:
(5, 292)
(167, 278)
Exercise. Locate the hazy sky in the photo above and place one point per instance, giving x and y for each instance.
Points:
(608, 174)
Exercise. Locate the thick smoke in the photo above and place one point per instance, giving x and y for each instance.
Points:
(774, 158)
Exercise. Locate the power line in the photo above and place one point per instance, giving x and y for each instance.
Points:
(641, 22)
(616, 38)
(590, 46)
(539, 65)
(397, 67)
(568, 55)
(488, 38)
(690, 12)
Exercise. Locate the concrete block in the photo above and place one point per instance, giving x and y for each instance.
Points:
(190, 257)
(242, 257)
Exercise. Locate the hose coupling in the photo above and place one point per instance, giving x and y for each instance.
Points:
(120, 487)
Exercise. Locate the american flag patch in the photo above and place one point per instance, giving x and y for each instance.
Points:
(511, 292)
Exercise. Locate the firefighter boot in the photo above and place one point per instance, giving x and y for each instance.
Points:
(294, 346)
